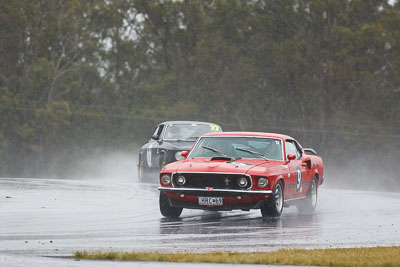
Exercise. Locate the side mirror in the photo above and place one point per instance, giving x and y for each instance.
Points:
(154, 137)
(306, 162)
(184, 154)
(291, 157)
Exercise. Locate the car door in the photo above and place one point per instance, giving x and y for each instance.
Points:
(307, 175)
(298, 172)
(152, 151)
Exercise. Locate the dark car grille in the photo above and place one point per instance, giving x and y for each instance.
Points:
(214, 180)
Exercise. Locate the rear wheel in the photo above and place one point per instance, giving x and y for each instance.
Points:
(166, 209)
(273, 205)
(309, 203)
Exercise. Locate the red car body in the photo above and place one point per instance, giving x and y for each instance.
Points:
(252, 170)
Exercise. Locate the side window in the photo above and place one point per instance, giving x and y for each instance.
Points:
(291, 149)
(299, 150)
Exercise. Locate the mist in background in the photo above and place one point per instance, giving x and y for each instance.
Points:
(370, 170)
(118, 166)
(367, 172)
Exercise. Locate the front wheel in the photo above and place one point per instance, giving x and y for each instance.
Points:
(273, 205)
(166, 209)
(309, 203)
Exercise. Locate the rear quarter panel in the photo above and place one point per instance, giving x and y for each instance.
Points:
(317, 167)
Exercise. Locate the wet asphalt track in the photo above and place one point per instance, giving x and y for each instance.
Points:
(42, 218)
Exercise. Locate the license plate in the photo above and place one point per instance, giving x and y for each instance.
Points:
(210, 201)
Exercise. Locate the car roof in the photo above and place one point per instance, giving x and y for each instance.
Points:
(250, 134)
(187, 122)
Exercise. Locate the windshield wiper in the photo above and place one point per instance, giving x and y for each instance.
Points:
(252, 152)
(216, 151)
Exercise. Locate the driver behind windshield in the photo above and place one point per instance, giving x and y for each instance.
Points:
(187, 131)
(173, 132)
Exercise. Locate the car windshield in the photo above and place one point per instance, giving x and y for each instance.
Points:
(235, 147)
(189, 131)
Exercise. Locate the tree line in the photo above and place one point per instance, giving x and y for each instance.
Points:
(79, 75)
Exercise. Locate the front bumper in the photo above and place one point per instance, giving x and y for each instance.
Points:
(213, 192)
(233, 199)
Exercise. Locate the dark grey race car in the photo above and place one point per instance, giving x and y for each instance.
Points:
(166, 144)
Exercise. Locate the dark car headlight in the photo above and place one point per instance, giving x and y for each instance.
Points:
(262, 182)
(165, 179)
(181, 180)
(242, 182)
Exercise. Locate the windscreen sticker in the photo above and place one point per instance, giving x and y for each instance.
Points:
(214, 128)
(298, 181)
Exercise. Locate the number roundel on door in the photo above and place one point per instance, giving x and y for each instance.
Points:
(298, 180)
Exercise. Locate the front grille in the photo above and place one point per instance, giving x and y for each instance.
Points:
(214, 180)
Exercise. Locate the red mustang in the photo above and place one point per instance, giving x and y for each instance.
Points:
(242, 170)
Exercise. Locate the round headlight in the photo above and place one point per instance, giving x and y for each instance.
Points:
(242, 182)
(165, 179)
(178, 156)
(263, 182)
(181, 180)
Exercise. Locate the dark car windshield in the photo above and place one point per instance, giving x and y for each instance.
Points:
(189, 131)
(269, 147)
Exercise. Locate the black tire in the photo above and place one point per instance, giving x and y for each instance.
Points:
(309, 203)
(166, 209)
(273, 205)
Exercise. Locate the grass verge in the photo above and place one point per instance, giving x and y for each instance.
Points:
(371, 257)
